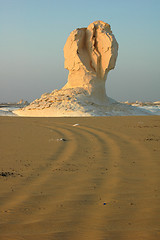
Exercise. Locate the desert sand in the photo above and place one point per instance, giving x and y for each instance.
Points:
(80, 178)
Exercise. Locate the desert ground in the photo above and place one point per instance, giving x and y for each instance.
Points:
(88, 178)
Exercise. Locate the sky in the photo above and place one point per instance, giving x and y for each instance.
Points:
(33, 34)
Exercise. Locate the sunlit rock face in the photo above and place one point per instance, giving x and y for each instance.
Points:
(90, 53)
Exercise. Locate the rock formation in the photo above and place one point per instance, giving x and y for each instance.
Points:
(90, 53)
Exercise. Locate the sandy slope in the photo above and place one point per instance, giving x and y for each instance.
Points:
(57, 189)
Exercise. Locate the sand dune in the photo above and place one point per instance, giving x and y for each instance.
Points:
(101, 183)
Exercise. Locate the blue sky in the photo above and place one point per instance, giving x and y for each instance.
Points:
(33, 34)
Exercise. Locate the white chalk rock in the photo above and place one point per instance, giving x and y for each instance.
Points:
(90, 53)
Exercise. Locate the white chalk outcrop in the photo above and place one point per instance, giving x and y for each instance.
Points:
(90, 53)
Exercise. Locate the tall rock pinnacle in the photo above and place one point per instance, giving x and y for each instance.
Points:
(90, 53)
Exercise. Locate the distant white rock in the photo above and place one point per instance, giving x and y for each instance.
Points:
(22, 102)
(157, 103)
(90, 53)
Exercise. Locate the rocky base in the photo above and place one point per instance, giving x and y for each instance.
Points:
(75, 102)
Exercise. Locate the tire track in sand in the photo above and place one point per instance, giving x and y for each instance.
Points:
(39, 180)
(94, 214)
(136, 214)
(76, 178)
(85, 200)
(81, 205)
(69, 196)
(64, 152)
(145, 203)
